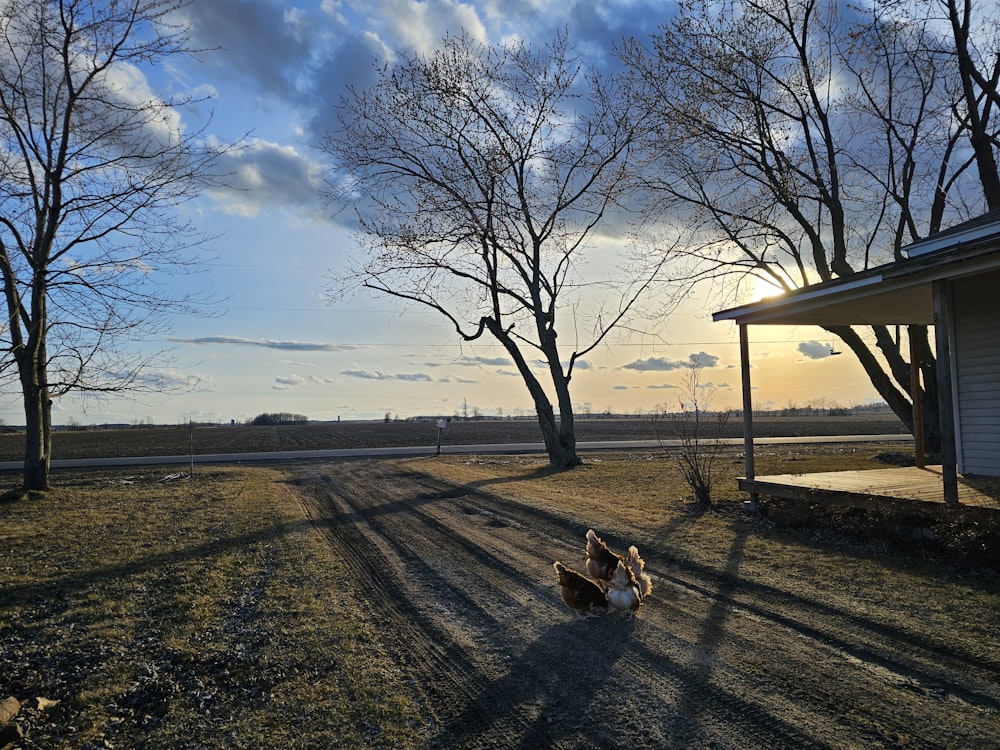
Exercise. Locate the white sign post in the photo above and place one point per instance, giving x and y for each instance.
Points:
(442, 423)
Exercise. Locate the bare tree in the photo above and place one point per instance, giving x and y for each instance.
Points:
(978, 68)
(480, 174)
(92, 166)
(801, 141)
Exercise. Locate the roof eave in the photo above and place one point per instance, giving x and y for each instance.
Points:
(807, 299)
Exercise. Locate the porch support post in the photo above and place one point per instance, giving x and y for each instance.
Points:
(748, 459)
(916, 395)
(946, 410)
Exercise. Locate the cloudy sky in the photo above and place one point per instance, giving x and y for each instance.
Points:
(276, 342)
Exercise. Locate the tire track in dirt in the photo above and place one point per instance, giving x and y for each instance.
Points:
(896, 655)
(460, 583)
(888, 654)
(920, 665)
(915, 663)
(378, 574)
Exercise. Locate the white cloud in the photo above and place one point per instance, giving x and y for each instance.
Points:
(128, 84)
(488, 361)
(420, 26)
(814, 349)
(287, 382)
(703, 359)
(381, 375)
(297, 346)
(266, 176)
(660, 364)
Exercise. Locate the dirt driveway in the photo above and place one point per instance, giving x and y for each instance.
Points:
(461, 583)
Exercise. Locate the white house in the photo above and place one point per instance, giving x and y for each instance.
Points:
(951, 280)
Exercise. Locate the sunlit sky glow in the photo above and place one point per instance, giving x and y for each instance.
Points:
(277, 342)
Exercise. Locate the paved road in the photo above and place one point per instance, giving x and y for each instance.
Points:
(397, 452)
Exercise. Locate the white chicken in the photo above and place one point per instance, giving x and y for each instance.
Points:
(638, 566)
(623, 590)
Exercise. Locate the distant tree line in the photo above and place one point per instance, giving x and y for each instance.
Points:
(278, 418)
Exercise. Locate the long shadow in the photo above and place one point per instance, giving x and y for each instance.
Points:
(727, 589)
(454, 491)
(74, 580)
(27, 592)
(755, 597)
(724, 584)
(692, 701)
(703, 697)
(390, 507)
(539, 473)
(544, 681)
(779, 606)
(700, 698)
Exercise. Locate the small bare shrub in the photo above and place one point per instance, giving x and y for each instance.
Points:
(698, 431)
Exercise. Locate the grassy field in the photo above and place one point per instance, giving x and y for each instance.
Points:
(181, 441)
(197, 613)
(209, 612)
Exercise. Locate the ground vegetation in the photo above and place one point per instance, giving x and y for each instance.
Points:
(411, 603)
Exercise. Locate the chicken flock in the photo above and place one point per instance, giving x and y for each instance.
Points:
(618, 581)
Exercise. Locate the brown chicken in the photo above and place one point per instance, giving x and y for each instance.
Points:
(579, 592)
(601, 561)
(623, 590)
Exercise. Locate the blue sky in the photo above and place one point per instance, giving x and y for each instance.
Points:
(278, 343)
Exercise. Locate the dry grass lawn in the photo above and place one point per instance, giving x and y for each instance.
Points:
(209, 612)
(195, 612)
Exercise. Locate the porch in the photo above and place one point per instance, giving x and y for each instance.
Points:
(878, 488)
(948, 281)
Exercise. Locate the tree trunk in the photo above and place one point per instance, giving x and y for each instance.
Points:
(559, 437)
(38, 438)
(931, 408)
(559, 445)
(899, 401)
(32, 369)
(564, 456)
(980, 133)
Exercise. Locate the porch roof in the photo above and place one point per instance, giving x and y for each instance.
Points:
(896, 293)
(905, 292)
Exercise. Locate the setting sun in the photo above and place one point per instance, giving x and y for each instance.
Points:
(764, 288)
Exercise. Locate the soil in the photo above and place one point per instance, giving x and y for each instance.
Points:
(460, 582)
(201, 440)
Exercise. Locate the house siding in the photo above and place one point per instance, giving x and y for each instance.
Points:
(976, 315)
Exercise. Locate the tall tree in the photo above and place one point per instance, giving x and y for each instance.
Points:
(978, 64)
(801, 141)
(479, 175)
(92, 166)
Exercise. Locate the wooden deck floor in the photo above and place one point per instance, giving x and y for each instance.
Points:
(877, 486)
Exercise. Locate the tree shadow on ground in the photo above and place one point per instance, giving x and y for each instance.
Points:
(548, 689)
